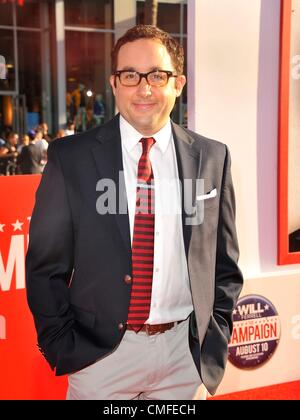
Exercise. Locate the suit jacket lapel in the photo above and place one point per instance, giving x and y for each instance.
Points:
(108, 157)
(189, 158)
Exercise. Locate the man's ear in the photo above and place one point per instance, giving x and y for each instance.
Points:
(180, 81)
(112, 81)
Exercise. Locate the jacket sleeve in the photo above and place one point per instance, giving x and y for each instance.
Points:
(229, 279)
(49, 260)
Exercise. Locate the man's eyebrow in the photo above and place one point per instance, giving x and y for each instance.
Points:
(127, 68)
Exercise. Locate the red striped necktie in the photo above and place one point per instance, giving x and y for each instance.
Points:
(143, 241)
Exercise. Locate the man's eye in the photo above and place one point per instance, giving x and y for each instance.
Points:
(158, 76)
(129, 76)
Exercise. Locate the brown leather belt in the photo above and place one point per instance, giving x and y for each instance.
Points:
(156, 329)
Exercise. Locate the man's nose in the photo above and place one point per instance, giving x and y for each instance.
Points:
(144, 88)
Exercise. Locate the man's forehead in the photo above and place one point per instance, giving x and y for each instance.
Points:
(145, 46)
(144, 55)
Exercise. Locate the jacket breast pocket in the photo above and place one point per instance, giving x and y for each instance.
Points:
(84, 317)
(208, 200)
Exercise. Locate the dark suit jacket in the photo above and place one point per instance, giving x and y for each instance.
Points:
(77, 258)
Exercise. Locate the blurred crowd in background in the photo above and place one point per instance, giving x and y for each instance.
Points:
(27, 154)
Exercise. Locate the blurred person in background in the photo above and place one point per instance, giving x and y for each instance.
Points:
(25, 140)
(9, 155)
(31, 157)
(42, 144)
(60, 134)
(45, 131)
(70, 130)
(99, 109)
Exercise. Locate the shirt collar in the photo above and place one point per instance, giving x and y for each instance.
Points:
(130, 137)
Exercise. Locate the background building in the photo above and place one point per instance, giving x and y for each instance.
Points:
(57, 56)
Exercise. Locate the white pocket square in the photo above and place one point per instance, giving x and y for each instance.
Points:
(211, 194)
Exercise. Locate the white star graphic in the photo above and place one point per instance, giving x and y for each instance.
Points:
(17, 225)
(1, 227)
(266, 307)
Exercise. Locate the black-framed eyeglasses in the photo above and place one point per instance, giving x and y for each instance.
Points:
(157, 78)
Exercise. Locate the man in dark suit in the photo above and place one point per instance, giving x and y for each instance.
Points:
(132, 271)
(30, 160)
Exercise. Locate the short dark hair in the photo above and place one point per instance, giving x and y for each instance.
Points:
(151, 32)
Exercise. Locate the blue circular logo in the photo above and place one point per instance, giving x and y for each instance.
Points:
(256, 332)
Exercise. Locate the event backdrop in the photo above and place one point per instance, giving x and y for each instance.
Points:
(24, 374)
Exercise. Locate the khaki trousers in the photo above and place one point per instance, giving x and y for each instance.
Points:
(157, 367)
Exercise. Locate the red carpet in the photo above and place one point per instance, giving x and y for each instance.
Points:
(287, 391)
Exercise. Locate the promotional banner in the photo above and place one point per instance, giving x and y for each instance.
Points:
(24, 374)
(256, 332)
(265, 343)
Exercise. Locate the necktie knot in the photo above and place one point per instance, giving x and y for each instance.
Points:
(147, 143)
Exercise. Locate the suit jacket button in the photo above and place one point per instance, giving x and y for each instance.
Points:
(127, 279)
(120, 326)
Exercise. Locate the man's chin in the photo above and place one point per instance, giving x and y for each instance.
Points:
(144, 124)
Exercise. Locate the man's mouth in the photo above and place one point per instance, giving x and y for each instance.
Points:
(143, 106)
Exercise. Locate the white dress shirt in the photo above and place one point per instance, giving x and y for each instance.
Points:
(171, 296)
